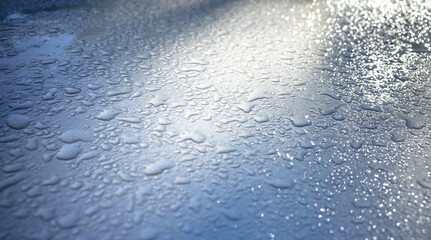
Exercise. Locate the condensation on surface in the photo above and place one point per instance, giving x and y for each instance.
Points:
(200, 119)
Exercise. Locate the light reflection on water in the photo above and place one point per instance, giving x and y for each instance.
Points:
(215, 120)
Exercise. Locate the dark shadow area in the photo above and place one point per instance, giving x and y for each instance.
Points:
(9, 7)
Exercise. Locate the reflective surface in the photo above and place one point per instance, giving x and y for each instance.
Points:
(215, 120)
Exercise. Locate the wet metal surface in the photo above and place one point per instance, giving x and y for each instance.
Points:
(215, 120)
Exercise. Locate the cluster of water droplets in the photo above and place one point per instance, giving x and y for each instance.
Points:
(215, 120)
